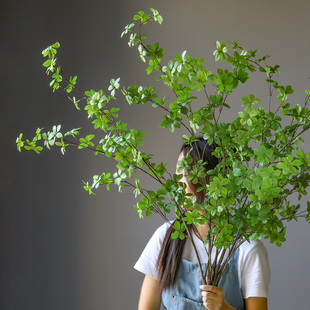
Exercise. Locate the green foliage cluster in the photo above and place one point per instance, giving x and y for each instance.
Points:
(262, 162)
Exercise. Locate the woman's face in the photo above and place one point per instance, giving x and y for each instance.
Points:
(189, 189)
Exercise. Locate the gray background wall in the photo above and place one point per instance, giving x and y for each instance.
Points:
(60, 247)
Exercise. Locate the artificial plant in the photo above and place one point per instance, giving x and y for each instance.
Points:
(262, 162)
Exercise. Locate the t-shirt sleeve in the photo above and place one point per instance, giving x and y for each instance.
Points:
(255, 271)
(147, 261)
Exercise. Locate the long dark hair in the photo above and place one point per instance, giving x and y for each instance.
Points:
(170, 255)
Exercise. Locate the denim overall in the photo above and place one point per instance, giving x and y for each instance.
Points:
(186, 294)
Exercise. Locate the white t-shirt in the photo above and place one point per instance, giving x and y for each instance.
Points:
(253, 265)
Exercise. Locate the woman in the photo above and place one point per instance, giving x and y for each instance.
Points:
(171, 270)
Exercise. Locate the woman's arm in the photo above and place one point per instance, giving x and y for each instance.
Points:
(150, 297)
(256, 303)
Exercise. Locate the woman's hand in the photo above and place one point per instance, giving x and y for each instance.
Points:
(212, 297)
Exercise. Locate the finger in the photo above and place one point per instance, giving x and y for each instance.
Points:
(207, 294)
(209, 288)
(212, 289)
(209, 305)
(211, 297)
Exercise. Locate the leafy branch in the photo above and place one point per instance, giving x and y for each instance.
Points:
(261, 161)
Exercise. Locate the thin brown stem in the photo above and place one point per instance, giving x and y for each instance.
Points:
(65, 78)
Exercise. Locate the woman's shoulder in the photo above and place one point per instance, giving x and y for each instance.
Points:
(157, 238)
(147, 261)
(162, 229)
(253, 252)
(254, 245)
(254, 270)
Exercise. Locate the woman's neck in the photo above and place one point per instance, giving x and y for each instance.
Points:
(202, 231)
